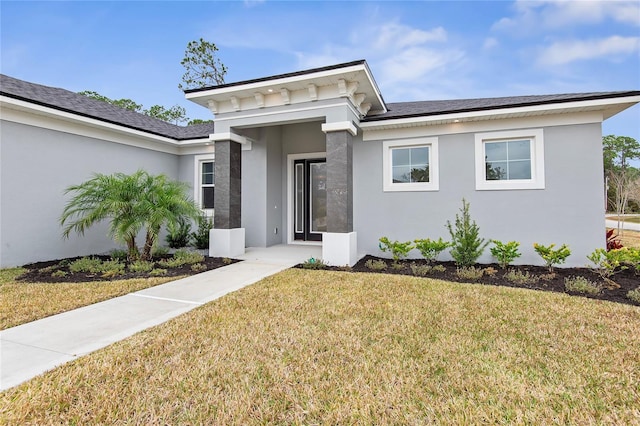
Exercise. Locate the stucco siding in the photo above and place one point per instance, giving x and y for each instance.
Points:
(37, 164)
(569, 210)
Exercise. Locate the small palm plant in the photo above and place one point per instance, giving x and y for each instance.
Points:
(130, 203)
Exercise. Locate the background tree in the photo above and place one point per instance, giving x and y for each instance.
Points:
(618, 152)
(202, 66)
(176, 114)
(122, 103)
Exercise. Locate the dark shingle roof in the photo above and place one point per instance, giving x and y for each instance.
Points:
(276, 77)
(65, 100)
(425, 108)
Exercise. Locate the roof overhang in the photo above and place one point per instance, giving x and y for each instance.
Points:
(352, 81)
(608, 107)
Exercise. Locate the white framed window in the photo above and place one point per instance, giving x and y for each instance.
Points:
(410, 165)
(204, 181)
(510, 160)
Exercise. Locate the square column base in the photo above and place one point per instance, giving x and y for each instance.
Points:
(226, 242)
(339, 249)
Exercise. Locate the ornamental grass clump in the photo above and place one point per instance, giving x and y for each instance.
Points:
(634, 295)
(469, 273)
(505, 253)
(550, 256)
(467, 246)
(431, 249)
(376, 264)
(581, 285)
(520, 278)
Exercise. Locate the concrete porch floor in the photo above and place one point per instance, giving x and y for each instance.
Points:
(31, 349)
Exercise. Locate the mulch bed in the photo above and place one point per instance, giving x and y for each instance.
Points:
(626, 279)
(42, 271)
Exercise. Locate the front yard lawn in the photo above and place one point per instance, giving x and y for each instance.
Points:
(310, 347)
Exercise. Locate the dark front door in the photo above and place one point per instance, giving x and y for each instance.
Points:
(310, 199)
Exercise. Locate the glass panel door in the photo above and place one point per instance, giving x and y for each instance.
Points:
(310, 199)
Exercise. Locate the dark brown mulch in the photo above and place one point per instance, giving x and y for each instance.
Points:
(42, 271)
(626, 279)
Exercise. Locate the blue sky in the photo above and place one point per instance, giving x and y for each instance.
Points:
(416, 50)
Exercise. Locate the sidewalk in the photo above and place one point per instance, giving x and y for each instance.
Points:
(624, 225)
(33, 348)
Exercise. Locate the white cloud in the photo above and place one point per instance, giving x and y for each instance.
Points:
(565, 52)
(490, 43)
(394, 35)
(530, 16)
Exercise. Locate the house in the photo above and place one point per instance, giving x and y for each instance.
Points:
(317, 157)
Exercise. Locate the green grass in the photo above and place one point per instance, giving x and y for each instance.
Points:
(22, 302)
(323, 347)
(634, 219)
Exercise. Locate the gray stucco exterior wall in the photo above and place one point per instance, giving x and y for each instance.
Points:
(37, 165)
(570, 210)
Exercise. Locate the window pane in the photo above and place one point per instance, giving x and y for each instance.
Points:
(420, 156)
(401, 174)
(318, 207)
(495, 151)
(520, 169)
(207, 173)
(299, 198)
(207, 197)
(519, 150)
(496, 170)
(400, 157)
(420, 174)
(207, 167)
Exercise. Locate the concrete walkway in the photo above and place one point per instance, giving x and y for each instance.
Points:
(33, 348)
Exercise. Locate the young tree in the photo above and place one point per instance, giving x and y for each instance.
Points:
(466, 244)
(202, 66)
(618, 151)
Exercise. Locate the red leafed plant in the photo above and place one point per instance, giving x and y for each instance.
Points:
(613, 243)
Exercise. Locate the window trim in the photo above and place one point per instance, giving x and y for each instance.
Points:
(387, 175)
(197, 187)
(537, 181)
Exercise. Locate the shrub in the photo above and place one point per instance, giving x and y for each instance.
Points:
(606, 262)
(399, 250)
(227, 261)
(201, 235)
(581, 285)
(431, 249)
(376, 264)
(505, 253)
(613, 242)
(631, 258)
(490, 272)
(313, 263)
(159, 251)
(90, 265)
(118, 254)
(180, 258)
(466, 244)
(112, 268)
(59, 274)
(158, 272)
(438, 268)
(141, 266)
(198, 267)
(634, 295)
(550, 256)
(469, 273)
(178, 233)
(420, 270)
(521, 278)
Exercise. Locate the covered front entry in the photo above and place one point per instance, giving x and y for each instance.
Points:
(310, 199)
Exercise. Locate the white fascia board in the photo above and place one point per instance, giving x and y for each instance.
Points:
(442, 129)
(273, 83)
(76, 118)
(500, 113)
